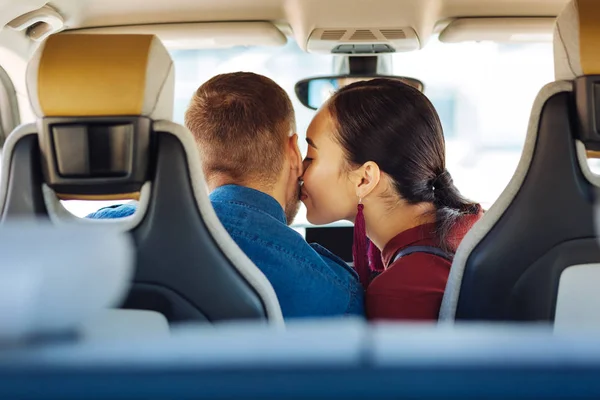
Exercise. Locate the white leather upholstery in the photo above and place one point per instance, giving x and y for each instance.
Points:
(578, 300)
(51, 279)
(567, 63)
(19, 132)
(122, 325)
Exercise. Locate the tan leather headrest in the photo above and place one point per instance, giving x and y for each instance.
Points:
(577, 40)
(79, 75)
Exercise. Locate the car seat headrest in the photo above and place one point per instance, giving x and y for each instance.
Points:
(577, 40)
(577, 59)
(97, 97)
(87, 75)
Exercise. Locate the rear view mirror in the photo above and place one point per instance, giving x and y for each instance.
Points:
(314, 92)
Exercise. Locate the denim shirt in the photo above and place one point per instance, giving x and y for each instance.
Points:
(309, 280)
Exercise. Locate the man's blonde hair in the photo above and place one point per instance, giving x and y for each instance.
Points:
(240, 122)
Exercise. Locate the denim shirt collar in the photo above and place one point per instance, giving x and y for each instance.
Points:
(250, 197)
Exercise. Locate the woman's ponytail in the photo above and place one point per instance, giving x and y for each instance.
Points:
(450, 206)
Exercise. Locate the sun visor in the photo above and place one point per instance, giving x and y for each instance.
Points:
(203, 35)
(502, 30)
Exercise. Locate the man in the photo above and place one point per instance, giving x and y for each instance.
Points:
(244, 127)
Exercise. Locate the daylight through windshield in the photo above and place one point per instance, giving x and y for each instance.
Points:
(483, 93)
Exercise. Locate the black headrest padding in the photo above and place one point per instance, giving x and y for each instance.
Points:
(176, 249)
(587, 103)
(95, 155)
(513, 273)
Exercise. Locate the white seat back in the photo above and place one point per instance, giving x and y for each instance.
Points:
(52, 279)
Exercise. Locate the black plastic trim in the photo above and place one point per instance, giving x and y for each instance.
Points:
(130, 180)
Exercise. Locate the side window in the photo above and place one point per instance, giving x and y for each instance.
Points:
(9, 108)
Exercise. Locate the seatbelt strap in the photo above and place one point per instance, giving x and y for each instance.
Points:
(436, 251)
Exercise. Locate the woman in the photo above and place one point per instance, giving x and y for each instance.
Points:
(376, 156)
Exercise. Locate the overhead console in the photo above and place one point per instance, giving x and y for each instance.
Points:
(367, 41)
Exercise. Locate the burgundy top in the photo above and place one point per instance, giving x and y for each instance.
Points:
(412, 287)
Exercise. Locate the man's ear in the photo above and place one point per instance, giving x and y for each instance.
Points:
(294, 154)
(366, 179)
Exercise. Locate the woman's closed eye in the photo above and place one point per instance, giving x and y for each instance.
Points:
(306, 162)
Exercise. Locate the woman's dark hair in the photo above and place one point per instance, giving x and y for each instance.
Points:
(396, 126)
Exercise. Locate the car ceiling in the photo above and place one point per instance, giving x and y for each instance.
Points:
(301, 15)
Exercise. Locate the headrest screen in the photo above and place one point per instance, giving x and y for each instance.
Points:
(96, 156)
(587, 102)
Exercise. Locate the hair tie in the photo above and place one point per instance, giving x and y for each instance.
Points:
(435, 180)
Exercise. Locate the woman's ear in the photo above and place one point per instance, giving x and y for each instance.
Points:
(367, 179)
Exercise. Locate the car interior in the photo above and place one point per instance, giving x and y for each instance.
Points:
(164, 304)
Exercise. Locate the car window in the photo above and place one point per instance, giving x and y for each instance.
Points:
(483, 93)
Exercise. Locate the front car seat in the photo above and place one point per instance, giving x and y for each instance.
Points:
(104, 104)
(534, 253)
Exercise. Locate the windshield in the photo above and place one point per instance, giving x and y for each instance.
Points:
(483, 93)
